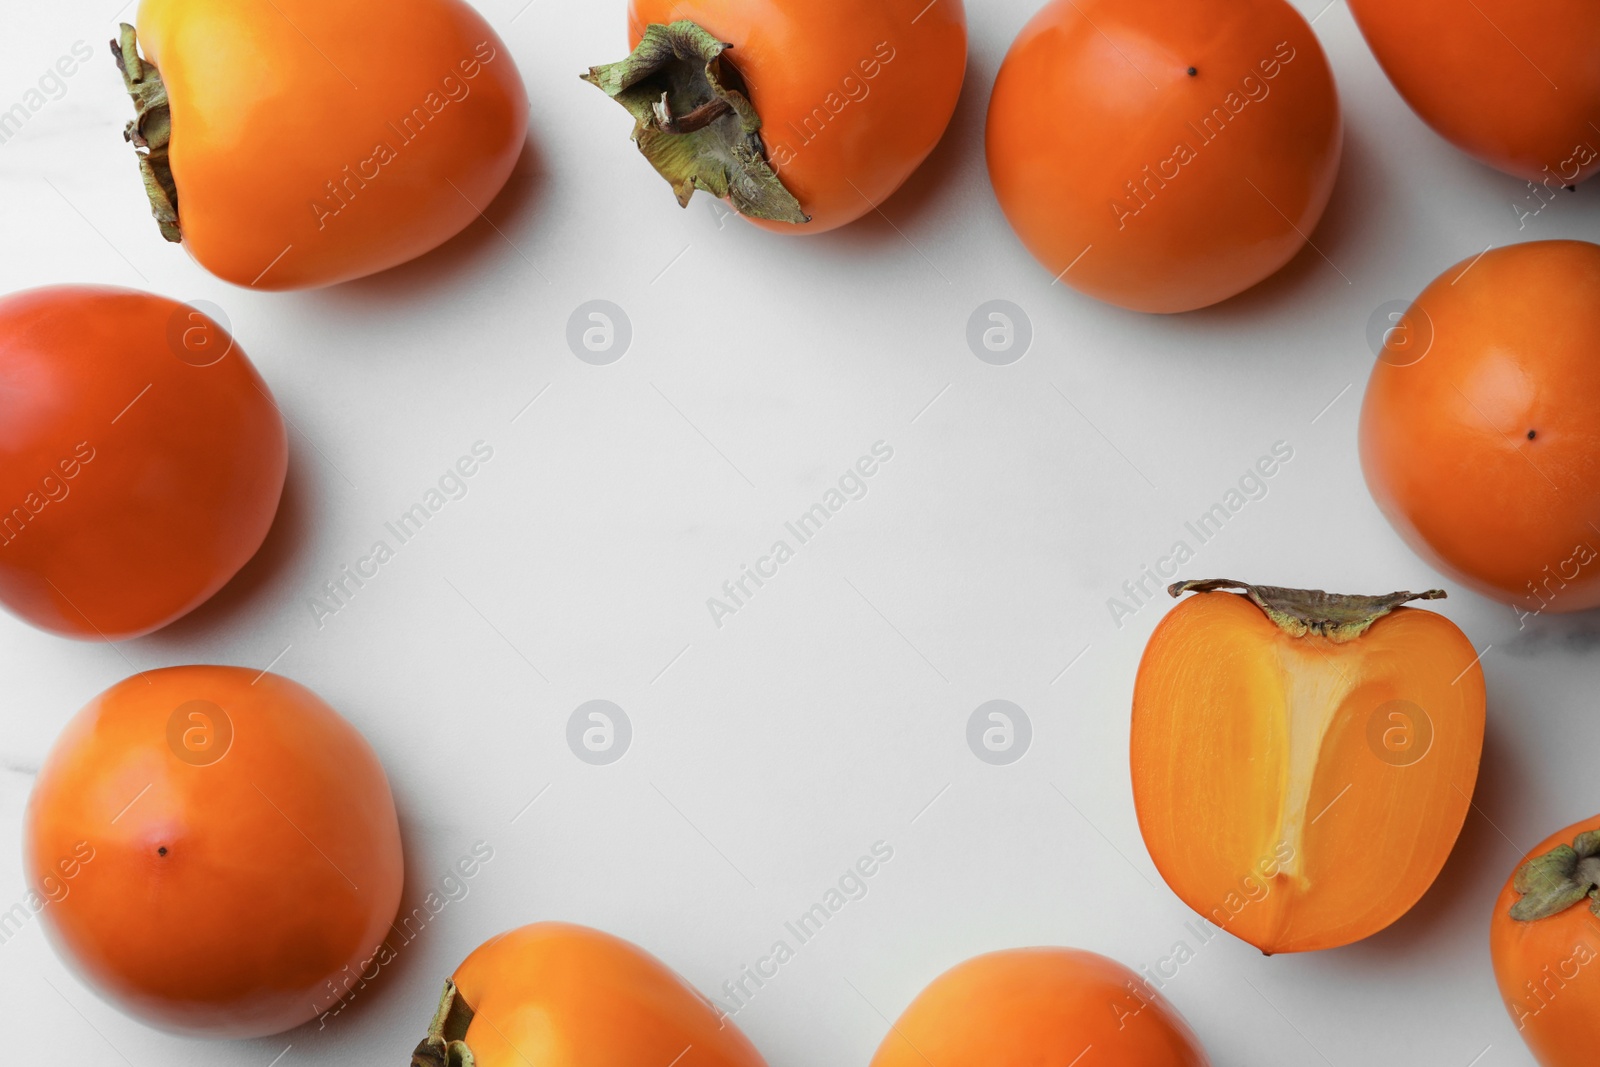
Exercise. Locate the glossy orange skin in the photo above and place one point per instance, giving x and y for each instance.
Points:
(1513, 84)
(1241, 156)
(1549, 970)
(134, 481)
(560, 995)
(1261, 794)
(272, 101)
(282, 861)
(876, 82)
(1032, 1006)
(1490, 352)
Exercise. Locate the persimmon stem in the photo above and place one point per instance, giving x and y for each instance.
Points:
(150, 130)
(694, 124)
(1562, 878)
(446, 1044)
(698, 119)
(1337, 616)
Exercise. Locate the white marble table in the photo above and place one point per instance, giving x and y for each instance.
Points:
(829, 712)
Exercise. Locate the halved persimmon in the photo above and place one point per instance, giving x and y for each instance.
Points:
(1303, 762)
(1545, 943)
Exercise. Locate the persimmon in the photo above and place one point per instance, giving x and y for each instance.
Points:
(290, 144)
(1303, 761)
(560, 995)
(1160, 156)
(804, 114)
(1514, 85)
(1029, 1006)
(141, 459)
(246, 857)
(1545, 943)
(1480, 432)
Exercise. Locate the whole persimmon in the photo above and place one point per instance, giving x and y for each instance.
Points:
(804, 114)
(1480, 433)
(559, 995)
(1513, 84)
(244, 853)
(1303, 761)
(290, 144)
(141, 459)
(1161, 156)
(1544, 939)
(1032, 1006)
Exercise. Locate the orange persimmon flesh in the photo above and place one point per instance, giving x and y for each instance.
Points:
(1302, 792)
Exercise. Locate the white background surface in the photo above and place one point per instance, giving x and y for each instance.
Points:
(827, 715)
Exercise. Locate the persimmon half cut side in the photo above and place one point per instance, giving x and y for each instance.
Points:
(1303, 762)
(1545, 943)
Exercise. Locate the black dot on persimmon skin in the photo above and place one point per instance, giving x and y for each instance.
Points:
(1193, 71)
(162, 851)
(1532, 434)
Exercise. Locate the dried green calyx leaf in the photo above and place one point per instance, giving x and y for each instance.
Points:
(1339, 617)
(446, 1043)
(694, 123)
(150, 131)
(1560, 879)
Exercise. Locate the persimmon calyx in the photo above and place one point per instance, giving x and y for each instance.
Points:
(446, 1044)
(1337, 616)
(694, 123)
(150, 130)
(1560, 879)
